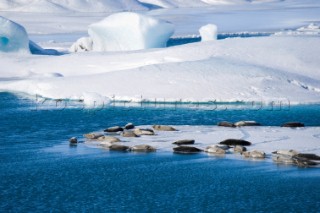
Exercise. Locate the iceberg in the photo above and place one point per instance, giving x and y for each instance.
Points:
(208, 32)
(13, 37)
(129, 31)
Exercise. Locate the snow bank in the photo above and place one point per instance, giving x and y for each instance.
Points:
(129, 31)
(253, 69)
(13, 37)
(53, 6)
(208, 32)
(311, 29)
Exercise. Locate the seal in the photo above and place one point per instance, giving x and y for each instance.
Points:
(110, 139)
(234, 142)
(284, 156)
(292, 124)
(239, 149)
(303, 162)
(139, 132)
(163, 128)
(186, 150)
(142, 148)
(308, 156)
(247, 123)
(93, 135)
(129, 126)
(184, 142)
(254, 154)
(73, 140)
(114, 129)
(129, 134)
(118, 147)
(226, 124)
(290, 152)
(215, 149)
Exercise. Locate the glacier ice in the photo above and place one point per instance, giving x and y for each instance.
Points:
(13, 37)
(208, 32)
(129, 31)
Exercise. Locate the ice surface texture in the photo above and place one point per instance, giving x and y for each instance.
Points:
(129, 31)
(13, 37)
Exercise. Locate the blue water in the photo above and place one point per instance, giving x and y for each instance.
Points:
(186, 40)
(40, 172)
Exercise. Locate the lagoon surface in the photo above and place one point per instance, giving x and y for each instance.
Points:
(40, 172)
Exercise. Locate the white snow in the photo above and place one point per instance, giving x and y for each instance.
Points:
(208, 32)
(66, 6)
(272, 68)
(223, 70)
(13, 37)
(129, 31)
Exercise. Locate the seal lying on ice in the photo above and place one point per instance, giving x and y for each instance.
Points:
(234, 142)
(186, 150)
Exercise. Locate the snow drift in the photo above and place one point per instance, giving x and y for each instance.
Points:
(13, 37)
(129, 31)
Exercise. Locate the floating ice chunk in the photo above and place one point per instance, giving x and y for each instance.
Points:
(83, 44)
(94, 100)
(208, 32)
(13, 37)
(129, 31)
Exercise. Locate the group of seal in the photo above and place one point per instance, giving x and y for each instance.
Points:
(296, 158)
(183, 146)
(293, 124)
(110, 141)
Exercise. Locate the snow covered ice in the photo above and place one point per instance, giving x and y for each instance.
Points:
(208, 32)
(129, 31)
(269, 68)
(13, 37)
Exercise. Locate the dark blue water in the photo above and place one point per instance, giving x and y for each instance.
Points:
(186, 40)
(41, 173)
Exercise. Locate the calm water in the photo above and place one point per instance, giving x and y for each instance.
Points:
(41, 173)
